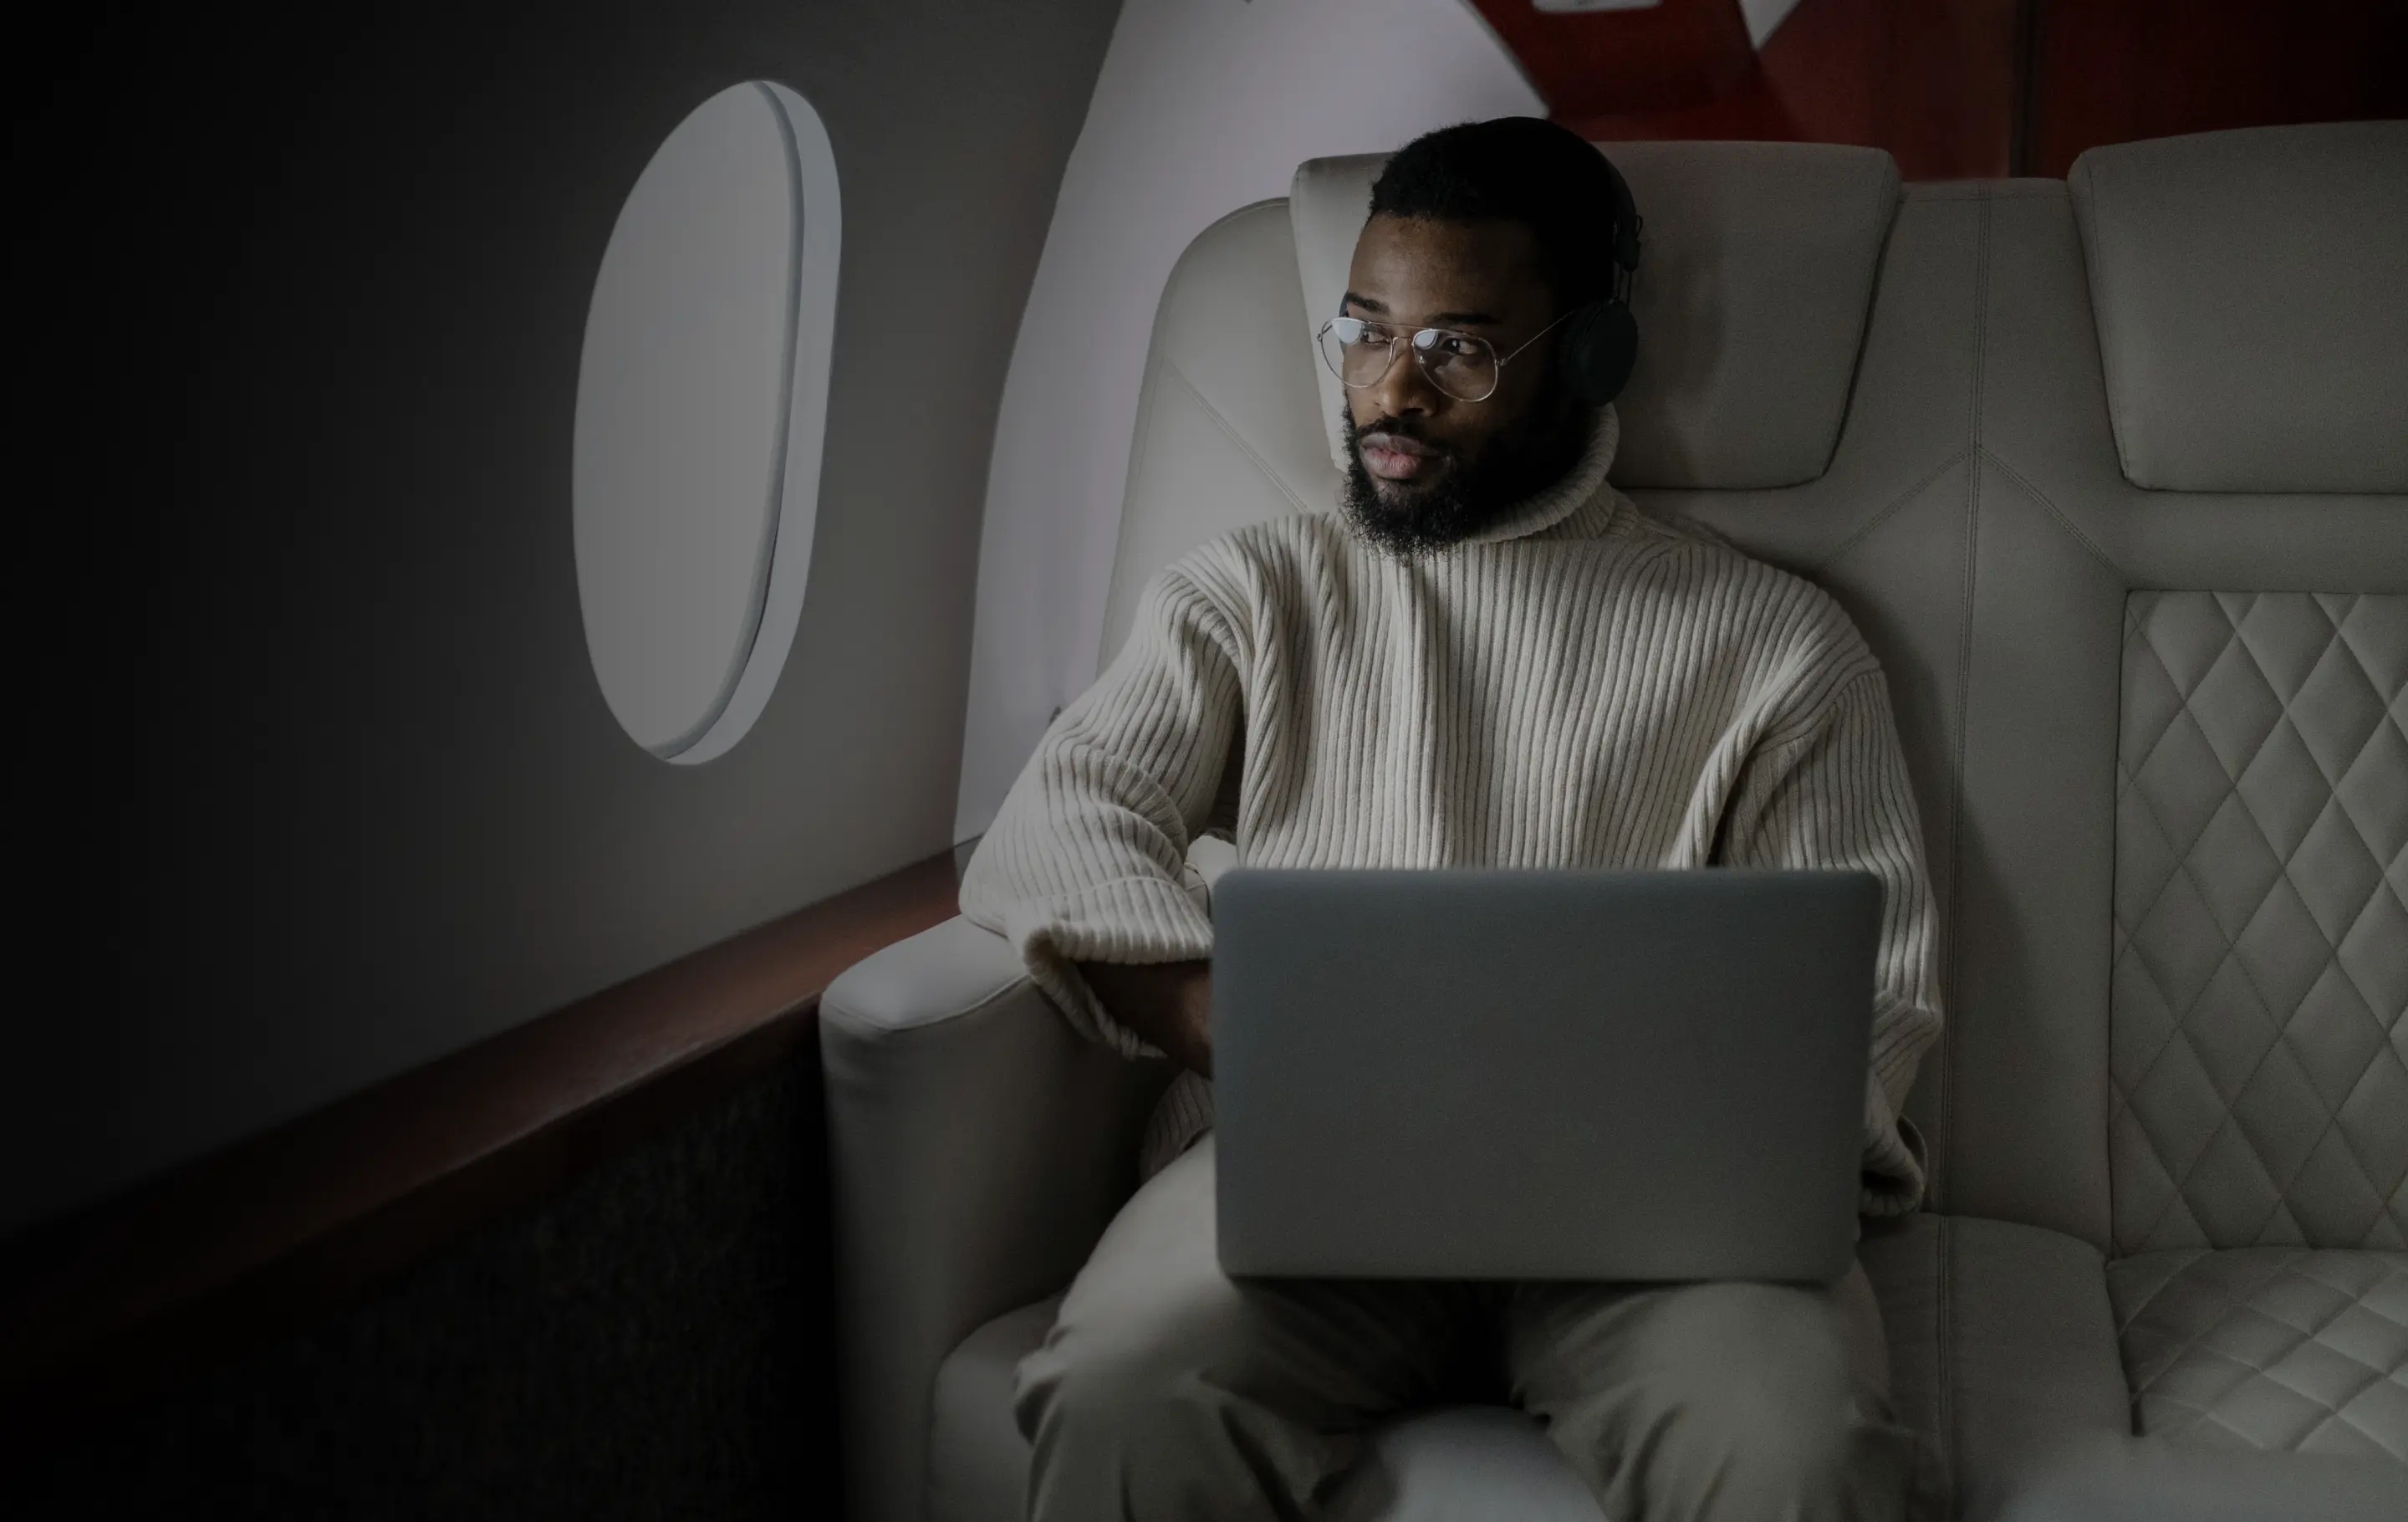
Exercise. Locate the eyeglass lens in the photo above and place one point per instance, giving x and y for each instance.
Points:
(1462, 365)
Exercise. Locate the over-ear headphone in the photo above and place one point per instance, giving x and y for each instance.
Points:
(1600, 342)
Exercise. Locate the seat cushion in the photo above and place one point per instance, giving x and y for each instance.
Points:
(2001, 1348)
(2280, 1349)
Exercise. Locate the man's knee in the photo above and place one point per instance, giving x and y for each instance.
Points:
(1777, 1439)
(1762, 1413)
(1119, 1362)
(1188, 1407)
(1772, 1390)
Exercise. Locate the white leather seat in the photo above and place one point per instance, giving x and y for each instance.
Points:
(2034, 436)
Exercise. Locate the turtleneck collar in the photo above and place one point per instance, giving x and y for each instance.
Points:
(1554, 506)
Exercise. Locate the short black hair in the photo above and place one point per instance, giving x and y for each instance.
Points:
(1514, 168)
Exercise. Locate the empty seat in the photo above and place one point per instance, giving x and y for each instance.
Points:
(2248, 295)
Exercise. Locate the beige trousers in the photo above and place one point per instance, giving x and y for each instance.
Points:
(1167, 1391)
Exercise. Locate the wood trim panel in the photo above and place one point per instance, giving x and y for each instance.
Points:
(257, 1238)
(1934, 83)
(1972, 89)
(2156, 68)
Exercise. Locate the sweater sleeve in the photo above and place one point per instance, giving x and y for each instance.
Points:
(1832, 793)
(1085, 860)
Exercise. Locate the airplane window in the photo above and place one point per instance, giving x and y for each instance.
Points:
(701, 408)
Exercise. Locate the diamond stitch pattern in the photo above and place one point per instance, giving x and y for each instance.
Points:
(2259, 1002)
(2277, 1348)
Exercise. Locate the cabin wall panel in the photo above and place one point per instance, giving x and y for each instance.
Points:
(1203, 106)
(324, 785)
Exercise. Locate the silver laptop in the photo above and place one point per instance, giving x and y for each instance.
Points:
(1540, 1075)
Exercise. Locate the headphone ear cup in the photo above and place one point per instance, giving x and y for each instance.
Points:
(1599, 345)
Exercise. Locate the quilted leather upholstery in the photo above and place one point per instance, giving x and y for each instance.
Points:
(2259, 1007)
(2280, 1348)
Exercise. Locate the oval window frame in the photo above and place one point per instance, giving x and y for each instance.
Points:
(782, 566)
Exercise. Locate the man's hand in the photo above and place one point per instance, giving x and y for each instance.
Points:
(1168, 1003)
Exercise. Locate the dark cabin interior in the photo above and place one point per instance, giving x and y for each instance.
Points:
(427, 1118)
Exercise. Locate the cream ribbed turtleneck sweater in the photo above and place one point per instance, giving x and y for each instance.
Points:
(1579, 686)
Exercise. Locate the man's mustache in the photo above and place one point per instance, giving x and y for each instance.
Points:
(1389, 430)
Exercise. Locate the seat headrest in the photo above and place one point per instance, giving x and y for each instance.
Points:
(2251, 294)
(1756, 275)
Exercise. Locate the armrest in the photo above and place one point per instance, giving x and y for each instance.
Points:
(977, 1148)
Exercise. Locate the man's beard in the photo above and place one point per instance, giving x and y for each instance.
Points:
(1475, 492)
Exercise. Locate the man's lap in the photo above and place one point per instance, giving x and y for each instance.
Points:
(1153, 1305)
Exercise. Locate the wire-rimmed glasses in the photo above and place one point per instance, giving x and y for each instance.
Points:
(1464, 365)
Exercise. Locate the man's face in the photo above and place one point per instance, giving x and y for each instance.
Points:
(1426, 469)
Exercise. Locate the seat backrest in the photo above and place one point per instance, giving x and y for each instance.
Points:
(2218, 462)
(1743, 377)
(1227, 426)
(2176, 962)
(1899, 395)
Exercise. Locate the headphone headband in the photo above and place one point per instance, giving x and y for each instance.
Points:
(1627, 224)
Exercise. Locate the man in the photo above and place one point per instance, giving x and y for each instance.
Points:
(1489, 658)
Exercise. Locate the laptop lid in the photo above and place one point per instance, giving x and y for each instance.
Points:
(1586, 1075)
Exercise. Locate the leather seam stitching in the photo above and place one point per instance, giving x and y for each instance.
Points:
(1875, 223)
(1947, 1424)
(2298, 1263)
(2124, 1094)
(2332, 948)
(2181, 868)
(962, 1012)
(2212, 1322)
(2103, 323)
(1952, 1046)
(2127, 772)
(1887, 510)
(1140, 451)
(2071, 528)
(2124, 1322)
(2232, 1117)
(2185, 868)
(2132, 773)
(2190, 1258)
(1230, 429)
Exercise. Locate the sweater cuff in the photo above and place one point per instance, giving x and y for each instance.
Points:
(1132, 921)
(1890, 1181)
